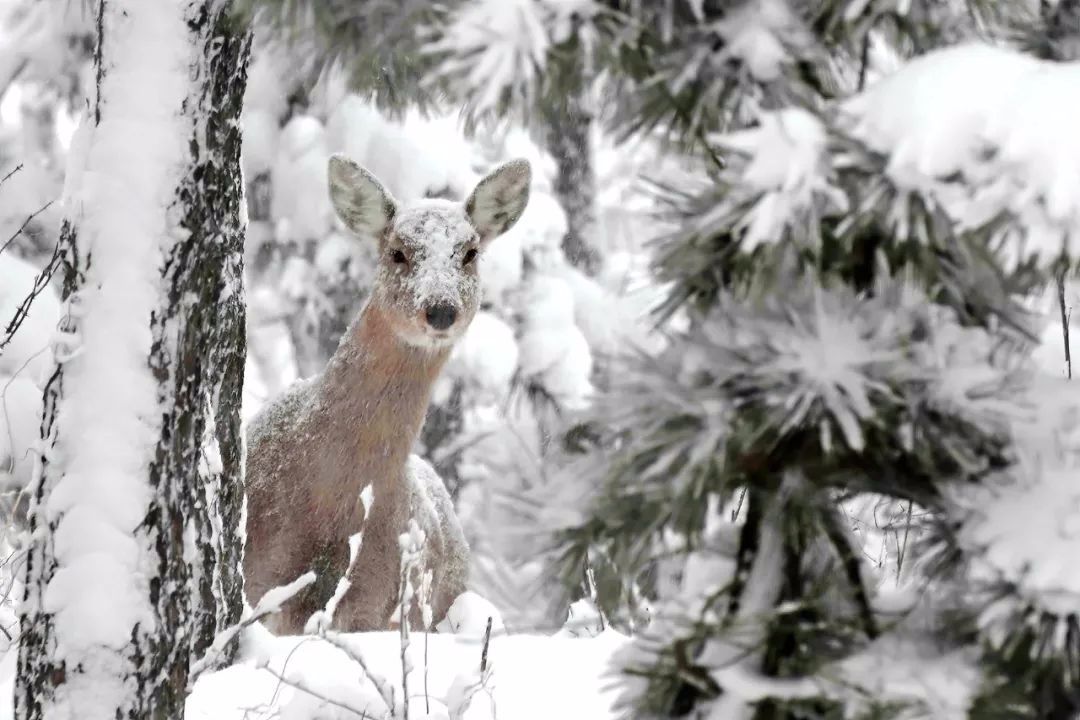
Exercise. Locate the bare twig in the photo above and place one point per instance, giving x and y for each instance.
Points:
(590, 580)
(484, 652)
(738, 508)
(305, 688)
(903, 549)
(269, 604)
(284, 667)
(427, 693)
(1064, 323)
(14, 75)
(14, 170)
(29, 219)
(40, 283)
(385, 692)
(403, 626)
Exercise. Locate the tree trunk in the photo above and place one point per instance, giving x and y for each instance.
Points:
(135, 559)
(566, 126)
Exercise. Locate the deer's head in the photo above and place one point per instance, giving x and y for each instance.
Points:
(427, 283)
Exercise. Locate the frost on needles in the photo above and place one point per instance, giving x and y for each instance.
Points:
(856, 277)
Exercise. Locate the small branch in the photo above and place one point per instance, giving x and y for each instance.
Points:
(864, 62)
(14, 170)
(384, 691)
(404, 629)
(903, 548)
(427, 693)
(1064, 323)
(738, 507)
(15, 73)
(29, 219)
(594, 595)
(269, 604)
(484, 651)
(305, 688)
(40, 283)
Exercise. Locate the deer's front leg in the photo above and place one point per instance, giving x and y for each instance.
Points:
(373, 583)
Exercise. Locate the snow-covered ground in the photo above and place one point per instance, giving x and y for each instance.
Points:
(529, 676)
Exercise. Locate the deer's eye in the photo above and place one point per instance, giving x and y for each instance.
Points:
(399, 257)
(470, 255)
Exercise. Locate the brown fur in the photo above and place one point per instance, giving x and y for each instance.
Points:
(312, 451)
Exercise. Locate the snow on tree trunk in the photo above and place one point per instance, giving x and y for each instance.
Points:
(134, 564)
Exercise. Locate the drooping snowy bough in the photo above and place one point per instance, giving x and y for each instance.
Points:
(135, 516)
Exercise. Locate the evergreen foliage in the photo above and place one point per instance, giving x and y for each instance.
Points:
(858, 284)
(376, 44)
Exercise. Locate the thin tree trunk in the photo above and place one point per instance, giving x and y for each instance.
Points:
(135, 560)
(565, 130)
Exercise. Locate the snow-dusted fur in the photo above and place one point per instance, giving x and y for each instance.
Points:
(313, 450)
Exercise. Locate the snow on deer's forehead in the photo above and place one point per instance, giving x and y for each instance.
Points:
(437, 233)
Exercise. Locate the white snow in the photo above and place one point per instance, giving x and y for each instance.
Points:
(301, 195)
(411, 158)
(501, 267)
(940, 685)
(20, 416)
(573, 672)
(265, 89)
(1039, 557)
(553, 349)
(497, 46)
(537, 234)
(786, 164)
(991, 117)
(468, 616)
(486, 357)
(757, 33)
(27, 191)
(261, 135)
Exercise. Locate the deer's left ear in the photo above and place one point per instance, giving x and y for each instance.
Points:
(499, 199)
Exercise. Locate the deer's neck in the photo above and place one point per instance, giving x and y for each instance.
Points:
(374, 395)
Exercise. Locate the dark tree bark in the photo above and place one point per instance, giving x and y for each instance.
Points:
(200, 338)
(187, 545)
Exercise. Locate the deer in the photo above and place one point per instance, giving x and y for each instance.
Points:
(313, 451)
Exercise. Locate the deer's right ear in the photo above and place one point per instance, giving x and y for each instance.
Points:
(360, 200)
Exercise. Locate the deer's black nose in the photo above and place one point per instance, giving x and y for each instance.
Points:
(441, 316)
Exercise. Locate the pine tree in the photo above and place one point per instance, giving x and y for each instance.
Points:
(134, 564)
(856, 255)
